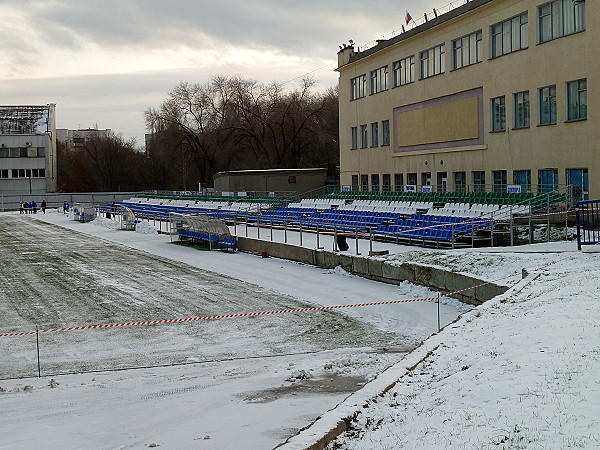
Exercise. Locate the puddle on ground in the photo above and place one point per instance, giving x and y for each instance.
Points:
(332, 384)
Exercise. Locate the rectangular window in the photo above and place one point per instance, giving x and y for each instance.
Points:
(375, 183)
(560, 18)
(364, 183)
(358, 87)
(23, 152)
(353, 138)
(18, 173)
(499, 179)
(411, 179)
(386, 182)
(521, 109)
(509, 36)
(547, 181)
(4, 152)
(355, 182)
(547, 105)
(466, 50)
(379, 80)
(403, 71)
(374, 134)
(363, 136)
(4, 173)
(478, 181)
(460, 181)
(523, 178)
(41, 151)
(14, 152)
(578, 183)
(398, 182)
(498, 114)
(577, 99)
(385, 132)
(433, 61)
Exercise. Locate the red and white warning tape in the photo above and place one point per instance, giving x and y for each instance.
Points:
(266, 313)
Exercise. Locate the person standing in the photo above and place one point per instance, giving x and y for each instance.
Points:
(21, 208)
(44, 206)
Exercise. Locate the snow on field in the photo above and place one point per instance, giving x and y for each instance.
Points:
(520, 372)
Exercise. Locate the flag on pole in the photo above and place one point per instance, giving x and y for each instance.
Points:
(408, 17)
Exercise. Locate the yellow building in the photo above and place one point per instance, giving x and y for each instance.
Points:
(492, 95)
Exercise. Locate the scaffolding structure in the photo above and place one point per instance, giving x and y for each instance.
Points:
(24, 119)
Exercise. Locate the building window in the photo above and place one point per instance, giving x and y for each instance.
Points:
(577, 99)
(578, 182)
(353, 138)
(363, 136)
(403, 71)
(433, 61)
(521, 109)
(499, 181)
(460, 181)
(358, 87)
(478, 181)
(509, 36)
(379, 80)
(547, 181)
(354, 183)
(498, 114)
(364, 183)
(374, 134)
(385, 132)
(41, 151)
(375, 183)
(547, 105)
(4, 173)
(425, 178)
(411, 179)
(398, 182)
(386, 182)
(4, 152)
(560, 18)
(18, 173)
(466, 50)
(523, 179)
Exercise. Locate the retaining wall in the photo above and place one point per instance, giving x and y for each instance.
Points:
(380, 270)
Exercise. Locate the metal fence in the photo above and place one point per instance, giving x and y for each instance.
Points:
(588, 223)
(56, 199)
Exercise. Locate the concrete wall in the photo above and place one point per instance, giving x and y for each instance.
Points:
(379, 270)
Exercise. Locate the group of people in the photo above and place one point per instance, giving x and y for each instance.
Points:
(31, 207)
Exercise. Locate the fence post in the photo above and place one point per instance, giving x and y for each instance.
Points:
(438, 313)
(37, 345)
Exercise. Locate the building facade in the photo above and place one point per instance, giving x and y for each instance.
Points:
(492, 95)
(280, 181)
(76, 139)
(27, 149)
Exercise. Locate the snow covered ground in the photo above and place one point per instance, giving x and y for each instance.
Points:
(253, 383)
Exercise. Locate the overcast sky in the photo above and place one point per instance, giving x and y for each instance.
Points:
(104, 62)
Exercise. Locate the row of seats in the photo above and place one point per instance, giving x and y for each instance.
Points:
(224, 241)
